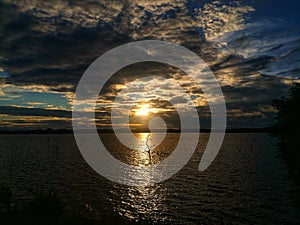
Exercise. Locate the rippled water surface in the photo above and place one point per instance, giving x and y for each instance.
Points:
(246, 184)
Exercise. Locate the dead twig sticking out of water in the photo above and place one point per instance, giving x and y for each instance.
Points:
(149, 148)
(48, 140)
(57, 146)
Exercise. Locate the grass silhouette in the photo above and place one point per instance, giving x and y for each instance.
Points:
(47, 209)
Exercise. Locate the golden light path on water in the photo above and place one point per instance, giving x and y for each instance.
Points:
(144, 200)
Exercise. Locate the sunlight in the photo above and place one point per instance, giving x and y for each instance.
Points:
(143, 110)
(142, 136)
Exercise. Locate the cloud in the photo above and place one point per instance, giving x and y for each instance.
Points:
(21, 111)
(74, 14)
(217, 19)
(54, 42)
(260, 40)
(46, 46)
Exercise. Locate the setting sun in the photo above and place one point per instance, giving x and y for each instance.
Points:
(143, 110)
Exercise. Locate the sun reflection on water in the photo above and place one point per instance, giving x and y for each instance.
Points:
(145, 201)
(142, 202)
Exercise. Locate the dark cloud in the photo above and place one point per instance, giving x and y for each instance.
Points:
(19, 111)
(31, 48)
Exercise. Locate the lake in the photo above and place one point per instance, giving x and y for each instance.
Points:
(246, 184)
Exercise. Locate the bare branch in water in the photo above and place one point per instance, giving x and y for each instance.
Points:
(149, 148)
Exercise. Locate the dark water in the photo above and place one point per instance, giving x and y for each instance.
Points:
(245, 185)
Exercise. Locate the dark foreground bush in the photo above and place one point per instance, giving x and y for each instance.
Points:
(287, 129)
(47, 209)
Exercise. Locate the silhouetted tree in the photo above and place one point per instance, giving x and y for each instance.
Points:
(287, 129)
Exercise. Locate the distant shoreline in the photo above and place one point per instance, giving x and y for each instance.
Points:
(66, 131)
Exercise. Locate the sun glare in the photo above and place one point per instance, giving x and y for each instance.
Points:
(143, 110)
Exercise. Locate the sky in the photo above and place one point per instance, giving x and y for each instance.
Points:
(253, 47)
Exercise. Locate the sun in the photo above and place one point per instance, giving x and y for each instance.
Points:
(143, 110)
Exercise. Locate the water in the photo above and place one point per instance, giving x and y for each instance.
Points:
(246, 184)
